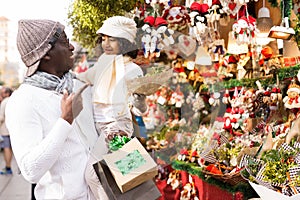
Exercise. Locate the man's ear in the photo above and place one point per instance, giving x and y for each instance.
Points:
(46, 57)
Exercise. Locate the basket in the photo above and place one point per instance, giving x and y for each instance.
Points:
(148, 85)
(232, 178)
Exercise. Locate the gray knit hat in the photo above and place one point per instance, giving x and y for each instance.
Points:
(34, 40)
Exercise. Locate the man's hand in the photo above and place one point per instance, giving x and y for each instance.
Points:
(71, 105)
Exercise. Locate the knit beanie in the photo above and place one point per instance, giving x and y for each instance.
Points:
(33, 40)
(119, 26)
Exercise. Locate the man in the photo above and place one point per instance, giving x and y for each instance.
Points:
(6, 145)
(42, 114)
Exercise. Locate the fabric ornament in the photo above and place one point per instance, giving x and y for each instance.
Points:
(157, 35)
(146, 38)
(240, 30)
(189, 191)
(226, 97)
(197, 15)
(214, 99)
(186, 45)
(177, 17)
(164, 33)
(244, 30)
(275, 98)
(183, 155)
(231, 7)
(215, 12)
(292, 100)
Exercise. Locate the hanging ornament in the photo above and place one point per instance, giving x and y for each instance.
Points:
(164, 33)
(292, 100)
(231, 7)
(177, 17)
(186, 45)
(146, 38)
(202, 56)
(156, 36)
(214, 14)
(214, 99)
(198, 23)
(244, 30)
(226, 97)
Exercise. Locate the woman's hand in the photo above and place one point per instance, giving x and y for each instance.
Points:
(139, 101)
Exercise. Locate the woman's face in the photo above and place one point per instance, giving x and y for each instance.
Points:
(110, 45)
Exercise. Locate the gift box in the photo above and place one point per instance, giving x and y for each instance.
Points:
(266, 193)
(131, 165)
(147, 190)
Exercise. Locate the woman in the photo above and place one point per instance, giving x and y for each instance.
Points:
(111, 101)
(109, 75)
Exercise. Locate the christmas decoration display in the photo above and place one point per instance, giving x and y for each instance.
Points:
(220, 108)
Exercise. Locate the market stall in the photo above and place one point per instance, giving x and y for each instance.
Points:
(225, 120)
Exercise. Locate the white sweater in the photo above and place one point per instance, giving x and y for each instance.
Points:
(47, 149)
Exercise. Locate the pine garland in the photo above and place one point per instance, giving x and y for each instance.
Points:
(297, 30)
(283, 74)
(246, 189)
(288, 6)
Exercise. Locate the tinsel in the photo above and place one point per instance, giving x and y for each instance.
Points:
(117, 142)
(246, 189)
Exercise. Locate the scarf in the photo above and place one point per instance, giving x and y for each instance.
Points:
(51, 82)
(110, 85)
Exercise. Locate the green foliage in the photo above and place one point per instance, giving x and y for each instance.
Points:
(273, 3)
(87, 16)
(297, 30)
(286, 6)
(283, 73)
(277, 165)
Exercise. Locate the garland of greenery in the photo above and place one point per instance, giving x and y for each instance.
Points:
(288, 6)
(297, 30)
(246, 189)
(283, 74)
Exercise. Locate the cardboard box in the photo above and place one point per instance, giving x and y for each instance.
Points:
(147, 190)
(131, 165)
(267, 194)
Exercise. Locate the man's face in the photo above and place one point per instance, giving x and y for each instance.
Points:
(61, 55)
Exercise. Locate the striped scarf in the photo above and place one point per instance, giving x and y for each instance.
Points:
(51, 82)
